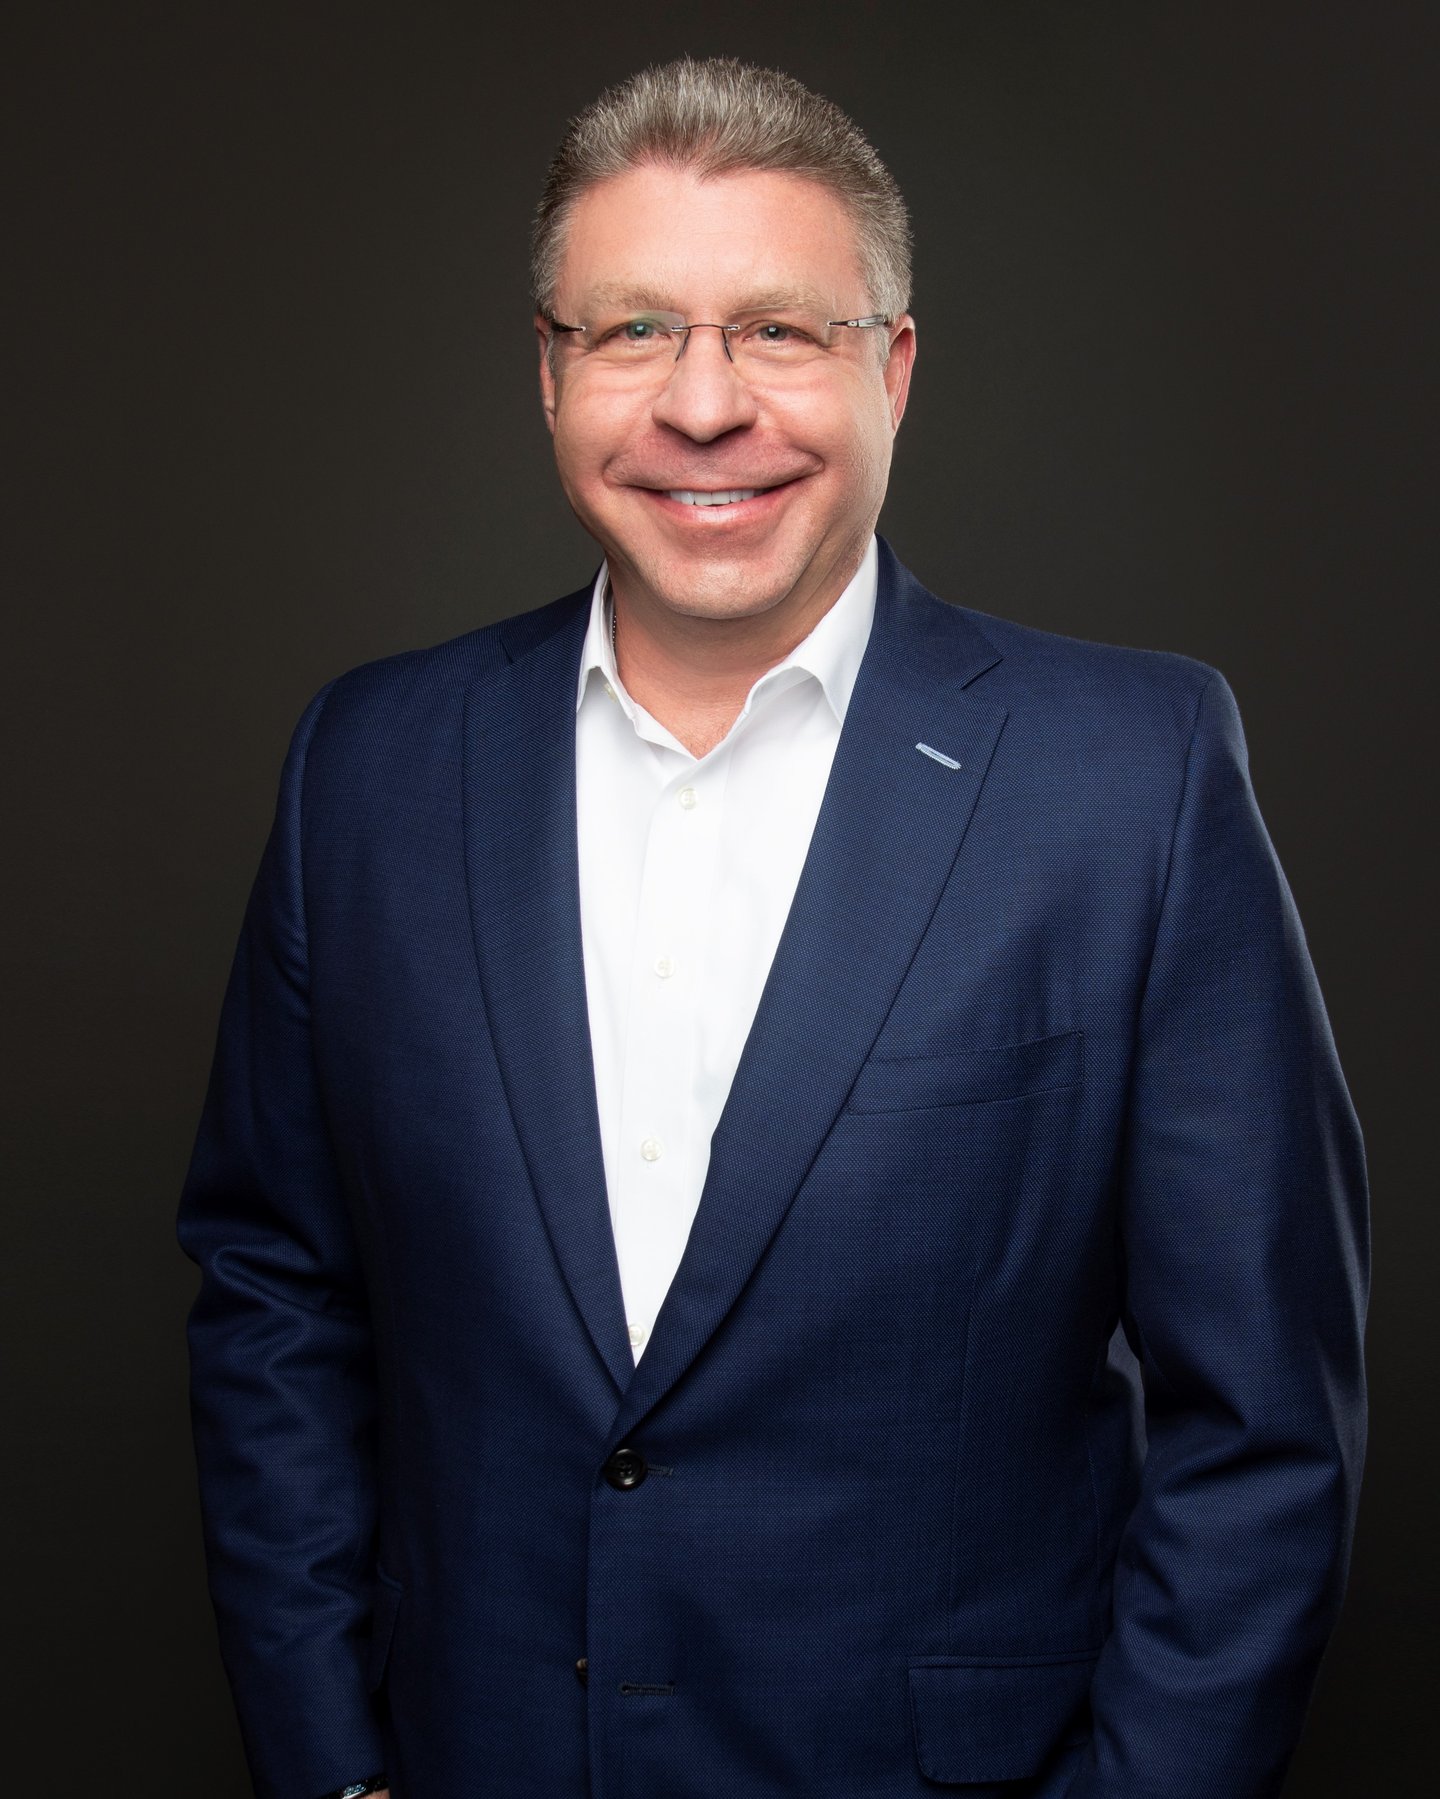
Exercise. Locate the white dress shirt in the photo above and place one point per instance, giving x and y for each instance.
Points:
(688, 866)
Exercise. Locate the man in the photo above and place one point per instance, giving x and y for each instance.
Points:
(777, 1208)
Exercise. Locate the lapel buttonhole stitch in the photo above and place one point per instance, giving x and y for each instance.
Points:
(937, 756)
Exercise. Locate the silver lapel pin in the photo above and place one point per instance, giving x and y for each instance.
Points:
(937, 756)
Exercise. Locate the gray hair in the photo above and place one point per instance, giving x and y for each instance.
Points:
(721, 117)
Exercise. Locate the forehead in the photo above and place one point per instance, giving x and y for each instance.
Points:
(668, 237)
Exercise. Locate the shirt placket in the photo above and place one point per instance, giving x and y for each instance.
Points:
(657, 1146)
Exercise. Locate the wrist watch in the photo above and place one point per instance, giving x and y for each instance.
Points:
(358, 1789)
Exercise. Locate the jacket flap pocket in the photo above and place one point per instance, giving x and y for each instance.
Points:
(977, 1720)
(382, 1628)
(1002, 1071)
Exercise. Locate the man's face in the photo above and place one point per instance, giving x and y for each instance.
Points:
(817, 442)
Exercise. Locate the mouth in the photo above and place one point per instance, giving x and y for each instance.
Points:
(715, 513)
(725, 496)
(727, 509)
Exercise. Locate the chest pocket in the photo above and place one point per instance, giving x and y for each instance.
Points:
(969, 1077)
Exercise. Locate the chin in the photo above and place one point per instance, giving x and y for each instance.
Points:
(706, 588)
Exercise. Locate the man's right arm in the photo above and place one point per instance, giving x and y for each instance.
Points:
(282, 1381)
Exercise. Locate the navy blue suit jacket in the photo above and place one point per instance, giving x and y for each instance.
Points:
(1002, 1427)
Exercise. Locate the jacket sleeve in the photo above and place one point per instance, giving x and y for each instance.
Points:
(1245, 1255)
(282, 1385)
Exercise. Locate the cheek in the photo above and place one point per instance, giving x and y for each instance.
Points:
(861, 462)
(853, 437)
(587, 433)
(874, 440)
(571, 440)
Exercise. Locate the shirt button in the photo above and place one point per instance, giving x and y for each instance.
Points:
(652, 1149)
(688, 798)
(664, 967)
(636, 1334)
(610, 690)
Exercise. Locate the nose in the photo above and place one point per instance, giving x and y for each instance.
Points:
(704, 394)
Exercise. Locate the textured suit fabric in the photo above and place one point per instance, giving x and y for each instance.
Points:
(1003, 1422)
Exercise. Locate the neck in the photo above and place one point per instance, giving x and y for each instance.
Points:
(693, 673)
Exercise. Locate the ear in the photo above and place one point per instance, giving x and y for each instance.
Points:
(547, 373)
(898, 364)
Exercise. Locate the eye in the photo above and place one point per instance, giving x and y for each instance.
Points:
(634, 334)
(778, 338)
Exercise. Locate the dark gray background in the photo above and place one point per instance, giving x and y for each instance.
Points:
(1176, 297)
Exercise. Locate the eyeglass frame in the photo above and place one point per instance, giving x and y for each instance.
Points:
(684, 327)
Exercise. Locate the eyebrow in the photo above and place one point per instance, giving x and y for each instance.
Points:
(652, 299)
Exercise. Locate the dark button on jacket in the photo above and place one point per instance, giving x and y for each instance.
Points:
(625, 1469)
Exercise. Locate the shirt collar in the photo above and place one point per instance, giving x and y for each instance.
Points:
(832, 653)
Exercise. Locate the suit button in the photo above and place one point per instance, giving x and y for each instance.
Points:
(582, 1671)
(625, 1469)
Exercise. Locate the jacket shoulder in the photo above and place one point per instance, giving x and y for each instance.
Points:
(1047, 673)
(422, 682)
(1104, 699)
(1051, 661)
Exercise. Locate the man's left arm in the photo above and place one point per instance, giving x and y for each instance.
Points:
(1245, 1253)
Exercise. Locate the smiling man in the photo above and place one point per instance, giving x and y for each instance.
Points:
(733, 481)
(777, 1208)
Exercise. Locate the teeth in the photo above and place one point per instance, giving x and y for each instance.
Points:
(688, 496)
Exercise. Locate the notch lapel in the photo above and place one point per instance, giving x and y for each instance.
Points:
(522, 870)
(888, 832)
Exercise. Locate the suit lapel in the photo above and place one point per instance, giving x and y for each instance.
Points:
(888, 832)
(523, 875)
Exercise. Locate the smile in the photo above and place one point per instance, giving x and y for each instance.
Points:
(726, 496)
